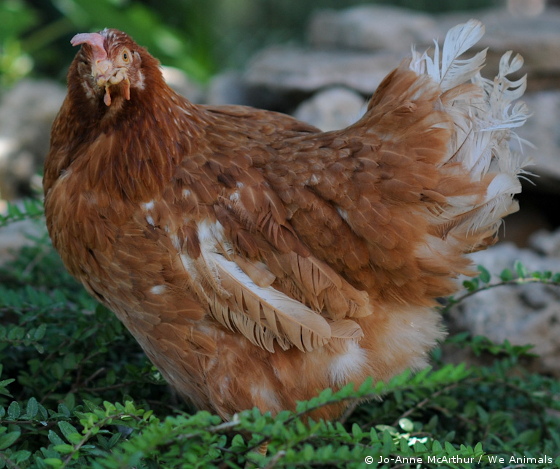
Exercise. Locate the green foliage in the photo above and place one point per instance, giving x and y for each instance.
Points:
(200, 37)
(76, 391)
(32, 208)
(16, 19)
(38, 33)
(484, 282)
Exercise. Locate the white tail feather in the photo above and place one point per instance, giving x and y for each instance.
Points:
(483, 118)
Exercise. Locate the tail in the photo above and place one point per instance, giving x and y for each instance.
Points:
(448, 150)
(422, 179)
(482, 145)
(447, 163)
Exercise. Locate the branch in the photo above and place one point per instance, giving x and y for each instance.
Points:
(518, 281)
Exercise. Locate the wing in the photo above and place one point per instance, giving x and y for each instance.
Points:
(233, 238)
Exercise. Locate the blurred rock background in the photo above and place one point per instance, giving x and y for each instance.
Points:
(319, 62)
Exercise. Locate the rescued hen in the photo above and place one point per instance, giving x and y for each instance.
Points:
(258, 260)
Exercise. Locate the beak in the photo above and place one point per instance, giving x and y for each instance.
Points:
(106, 75)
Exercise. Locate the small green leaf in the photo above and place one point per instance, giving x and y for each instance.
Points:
(64, 448)
(9, 439)
(69, 362)
(21, 456)
(55, 439)
(40, 332)
(482, 415)
(506, 275)
(70, 432)
(520, 269)
(471, 285)
(16, 333)
(43, 412)
(238, 443)
(366, 385)
(5, 382)
(70, 400)
(63, 409)
(57, 370)
(114, 440)
(307, 453)
(54, 462)
(32, 408)
(14, 411)
(450, 448)
(484, 275)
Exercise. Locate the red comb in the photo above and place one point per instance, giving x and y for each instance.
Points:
(95, 40)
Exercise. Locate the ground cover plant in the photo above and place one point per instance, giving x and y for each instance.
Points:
(77, 391)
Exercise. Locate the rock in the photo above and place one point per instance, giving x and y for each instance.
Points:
(26, 115)
(526, 8)
(182, 84)
(358, 46)
(543, 130)
(18, 234)
(332, 109)
(546, 243)
(228, 88)
(371, 27)
(536, 38)
(374, 27)
(295, 69)
(528, 314)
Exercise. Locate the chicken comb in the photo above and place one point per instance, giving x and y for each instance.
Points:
(95, 40)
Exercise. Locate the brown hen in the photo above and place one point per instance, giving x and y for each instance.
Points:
(258, 260)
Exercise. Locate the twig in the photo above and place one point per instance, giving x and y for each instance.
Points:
(349, 411)
(9, 462)
(517, 281)
(89, 434)
(214, 429)
(280, 454)
(38, 258)
(423, 402)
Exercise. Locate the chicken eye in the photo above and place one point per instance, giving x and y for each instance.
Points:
(125, 56)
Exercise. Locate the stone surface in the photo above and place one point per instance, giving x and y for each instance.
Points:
(228, 88)
(528, 314)
(332, 109)
(370, 27)
(180, 82)
(26, 115)
(18, 234)
(297, 69)
(377, 27)
(536, 38)
(543, 130)
(546, 243)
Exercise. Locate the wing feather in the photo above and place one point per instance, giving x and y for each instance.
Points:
(267, 308)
